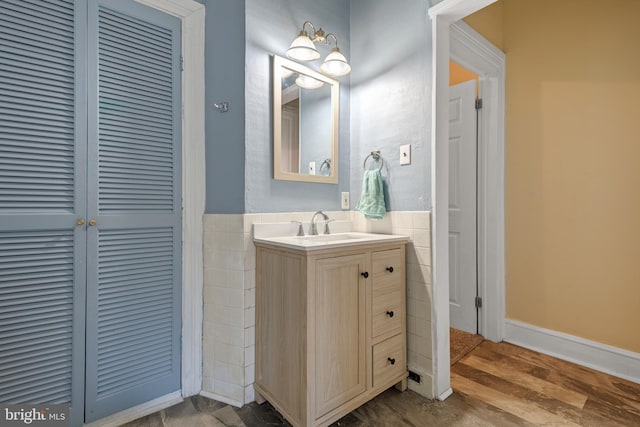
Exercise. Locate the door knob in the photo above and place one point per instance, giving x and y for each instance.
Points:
(390, 313)
(391, 360)
(80, 221)
(365, 274)
(390, 269)
(92, 222)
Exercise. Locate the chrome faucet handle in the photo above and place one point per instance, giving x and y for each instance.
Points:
(300, 229)
(326, 226)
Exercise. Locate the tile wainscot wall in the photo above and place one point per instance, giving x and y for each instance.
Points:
(229, 297)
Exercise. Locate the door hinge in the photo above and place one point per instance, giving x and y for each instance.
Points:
(478, 302)
(478, 103)
(181, 63)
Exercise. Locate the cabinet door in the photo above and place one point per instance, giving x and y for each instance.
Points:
(340, 330)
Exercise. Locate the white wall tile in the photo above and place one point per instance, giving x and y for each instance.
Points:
(249, 279)
(223, 340)
(249, 394)
(422, 220)
(249, 317)
(250, 298)
(207, 383)
(250, 336)
(250, 355)
(228, 297)
(228, 316)
(232, 391)
(249, 220)
(268, 218)
(422, 238)
(250, 374)
(402, 220)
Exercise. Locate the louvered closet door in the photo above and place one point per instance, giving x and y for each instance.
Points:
(42, 176)
(134, 250)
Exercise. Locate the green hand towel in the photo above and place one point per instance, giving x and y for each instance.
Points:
(371, 202)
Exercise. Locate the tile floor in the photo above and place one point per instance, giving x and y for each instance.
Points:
(390, 409)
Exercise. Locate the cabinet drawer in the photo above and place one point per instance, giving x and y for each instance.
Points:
(387, 311)
(387, 263)
(388, 360)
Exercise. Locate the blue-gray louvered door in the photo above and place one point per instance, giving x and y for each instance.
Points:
(134, 251)
(89, 130)
(42, 195)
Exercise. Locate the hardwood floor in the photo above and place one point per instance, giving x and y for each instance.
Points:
(543, 390)
(494, 385)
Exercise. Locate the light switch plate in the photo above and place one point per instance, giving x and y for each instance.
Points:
(312, 168)
(405, 154)
(344, 200)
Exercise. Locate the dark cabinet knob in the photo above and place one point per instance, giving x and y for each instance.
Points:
(390, 313)
(365, 274)
(391, 360)
(390, 269)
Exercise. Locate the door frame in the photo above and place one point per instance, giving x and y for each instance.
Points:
(192, 16)
(469, 49)
(476, 53)
(193, 184)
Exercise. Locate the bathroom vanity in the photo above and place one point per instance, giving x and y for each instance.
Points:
(330, 323)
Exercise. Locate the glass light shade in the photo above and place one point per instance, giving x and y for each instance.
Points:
(335, 64)
(303, 49)
(285, 72)
(307, 82)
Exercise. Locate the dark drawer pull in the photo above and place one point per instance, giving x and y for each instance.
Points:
(390, 269)
(365, 274)
(390, 313)
(391, 360)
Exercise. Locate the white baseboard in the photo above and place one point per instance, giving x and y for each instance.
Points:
(139, 411)
(222, 399)
(605, 358)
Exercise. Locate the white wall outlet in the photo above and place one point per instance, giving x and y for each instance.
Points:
(405, 154)
(312, 168)
(344, 200)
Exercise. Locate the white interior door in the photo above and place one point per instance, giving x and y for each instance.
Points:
(462, 207)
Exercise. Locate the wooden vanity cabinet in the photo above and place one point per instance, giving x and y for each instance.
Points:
(330, 328)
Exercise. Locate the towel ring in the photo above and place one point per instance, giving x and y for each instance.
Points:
(326, 162)
(376, 156)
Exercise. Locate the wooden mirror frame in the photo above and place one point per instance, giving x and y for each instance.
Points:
(278, 173)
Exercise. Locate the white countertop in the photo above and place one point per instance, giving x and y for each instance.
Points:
(264, 234)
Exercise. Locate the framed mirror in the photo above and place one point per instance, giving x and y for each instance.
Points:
(305, 124)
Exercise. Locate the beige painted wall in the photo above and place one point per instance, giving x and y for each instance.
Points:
(572, 164)
(458, 74)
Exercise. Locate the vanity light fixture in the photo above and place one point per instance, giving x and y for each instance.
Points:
(303, 49)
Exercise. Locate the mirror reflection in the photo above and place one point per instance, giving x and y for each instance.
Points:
(305, 124)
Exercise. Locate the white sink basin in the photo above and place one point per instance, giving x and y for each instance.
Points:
(325, 241)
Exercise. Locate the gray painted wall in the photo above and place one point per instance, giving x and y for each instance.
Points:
(391, 96)
(271, 26)
(224, 81)
(385, 102)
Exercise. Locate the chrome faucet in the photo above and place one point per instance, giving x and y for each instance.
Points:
(313, 228)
